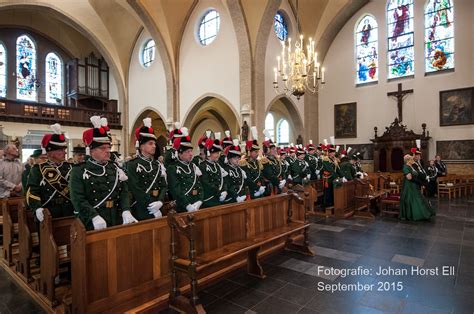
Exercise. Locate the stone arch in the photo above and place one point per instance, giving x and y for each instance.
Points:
(158, 124)
(211, 111)
(283, 107)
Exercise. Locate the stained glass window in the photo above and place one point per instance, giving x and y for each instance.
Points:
(279, 24)
(400, 38)
(209, 27)
(3, 71)
(270, 126)
(54, 79)
(148, 54)
(283, 132)
(439, 35)
(367, 60)
(25, 68)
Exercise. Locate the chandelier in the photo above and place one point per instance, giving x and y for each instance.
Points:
(297, 71)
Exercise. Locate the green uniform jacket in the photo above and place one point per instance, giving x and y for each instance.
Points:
(147, 184)
(299, 171)
(285, 168)
(272, 170)
(222, 161)
(184, 184)
(96, 189)
(47, 187)
(170, 157)
(347, 170)
(213, 183)
(313, 165)
(331, 169)
(197, 160)
(235, 181)
(24, 177)
(253, 170)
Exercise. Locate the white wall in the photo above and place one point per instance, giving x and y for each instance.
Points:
(374, 108)
(209, 69)
(146, 86)
(274, 50)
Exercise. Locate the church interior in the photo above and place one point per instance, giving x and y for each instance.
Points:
(383, 78)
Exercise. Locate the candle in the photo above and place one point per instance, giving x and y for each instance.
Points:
(317, 70)
(304, 68)
(276, 75)
(322, 77)
(314, 79)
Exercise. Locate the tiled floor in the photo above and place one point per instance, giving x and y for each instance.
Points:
(293, 280)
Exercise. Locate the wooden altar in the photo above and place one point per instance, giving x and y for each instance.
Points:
(397, 141)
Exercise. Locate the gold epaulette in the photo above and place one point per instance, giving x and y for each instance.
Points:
(264, 160)
(326, 158)
(243, 163)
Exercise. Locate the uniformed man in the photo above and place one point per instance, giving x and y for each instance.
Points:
(312, 160)
(330, 173)
(226, 142)
(253, 168)
(422, 179)
(184, 181)
(441, 166)
(38, 158)
(432, 172)
(171, 155)
(236, 177)
(48, 182)
(272, 165)
(347, 165)
(291, 154)
(198, 159)
(99, 188)
(146, 176)
(78, 154)
(213, 175)
(300, 170)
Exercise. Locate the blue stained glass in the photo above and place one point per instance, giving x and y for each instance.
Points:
(400, 38)
(3, 71)
(366, 50)
(279, 24)
(25, 69)
(54, 78)
(439, 35)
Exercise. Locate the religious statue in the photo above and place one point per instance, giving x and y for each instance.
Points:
(299, 140)
(245, 131)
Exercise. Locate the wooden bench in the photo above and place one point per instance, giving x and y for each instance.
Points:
(28, 238)
(210, 243)
(390, 202)
(10, 208)
(366, 197)
(55, 254)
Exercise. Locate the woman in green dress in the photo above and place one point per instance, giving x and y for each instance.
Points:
(413, 205)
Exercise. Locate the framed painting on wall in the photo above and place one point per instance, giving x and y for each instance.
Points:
(456, 150)
(456, 106)
(345, 120)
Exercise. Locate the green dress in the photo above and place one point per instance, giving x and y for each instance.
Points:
(413, 206)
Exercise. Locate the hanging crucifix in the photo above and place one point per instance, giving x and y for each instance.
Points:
(400, 95)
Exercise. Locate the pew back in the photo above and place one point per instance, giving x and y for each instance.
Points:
(10, 208)
(28, 238)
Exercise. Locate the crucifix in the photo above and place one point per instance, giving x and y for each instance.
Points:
(400, 95)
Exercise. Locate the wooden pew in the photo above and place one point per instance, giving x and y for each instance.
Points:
(210, 243)
(10, 208)
(28, 237)
(366, 196)
(344, 200)
(55, 253)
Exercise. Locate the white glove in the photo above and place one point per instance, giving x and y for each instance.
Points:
(39, 214)
(99, 223)
(317, 171)
(158, 214)
(128, 218)
(262, 190)
(197, 204)
(344, 179)
(191, 208)
(282, 184)
(256, 194)
(154, 208)
(240, 199)
(290, 177)
(427, 179)
(223, 196)
(308, 177)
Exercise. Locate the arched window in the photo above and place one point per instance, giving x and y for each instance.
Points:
(54, 79)
(148, 53)
(283, 133)
(367, 60)
(3, 71)
(270, 126)
(439, 35)
(400, 38)
(209, 27)
(25, 69)
(279, 25)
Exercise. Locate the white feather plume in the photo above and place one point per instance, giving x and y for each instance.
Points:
(332, 139)
(291, 145)
(348, 150)
(96, 121)
(103, 121)
(56, 128)
(325, 142)
(418, 144)
(217, 136)
(147, 122)
(311, 142)
(235, 142)
(177, 125)
(337, 148)
(227, 133)
(184, 131)
(254, 133)
(208, 133)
